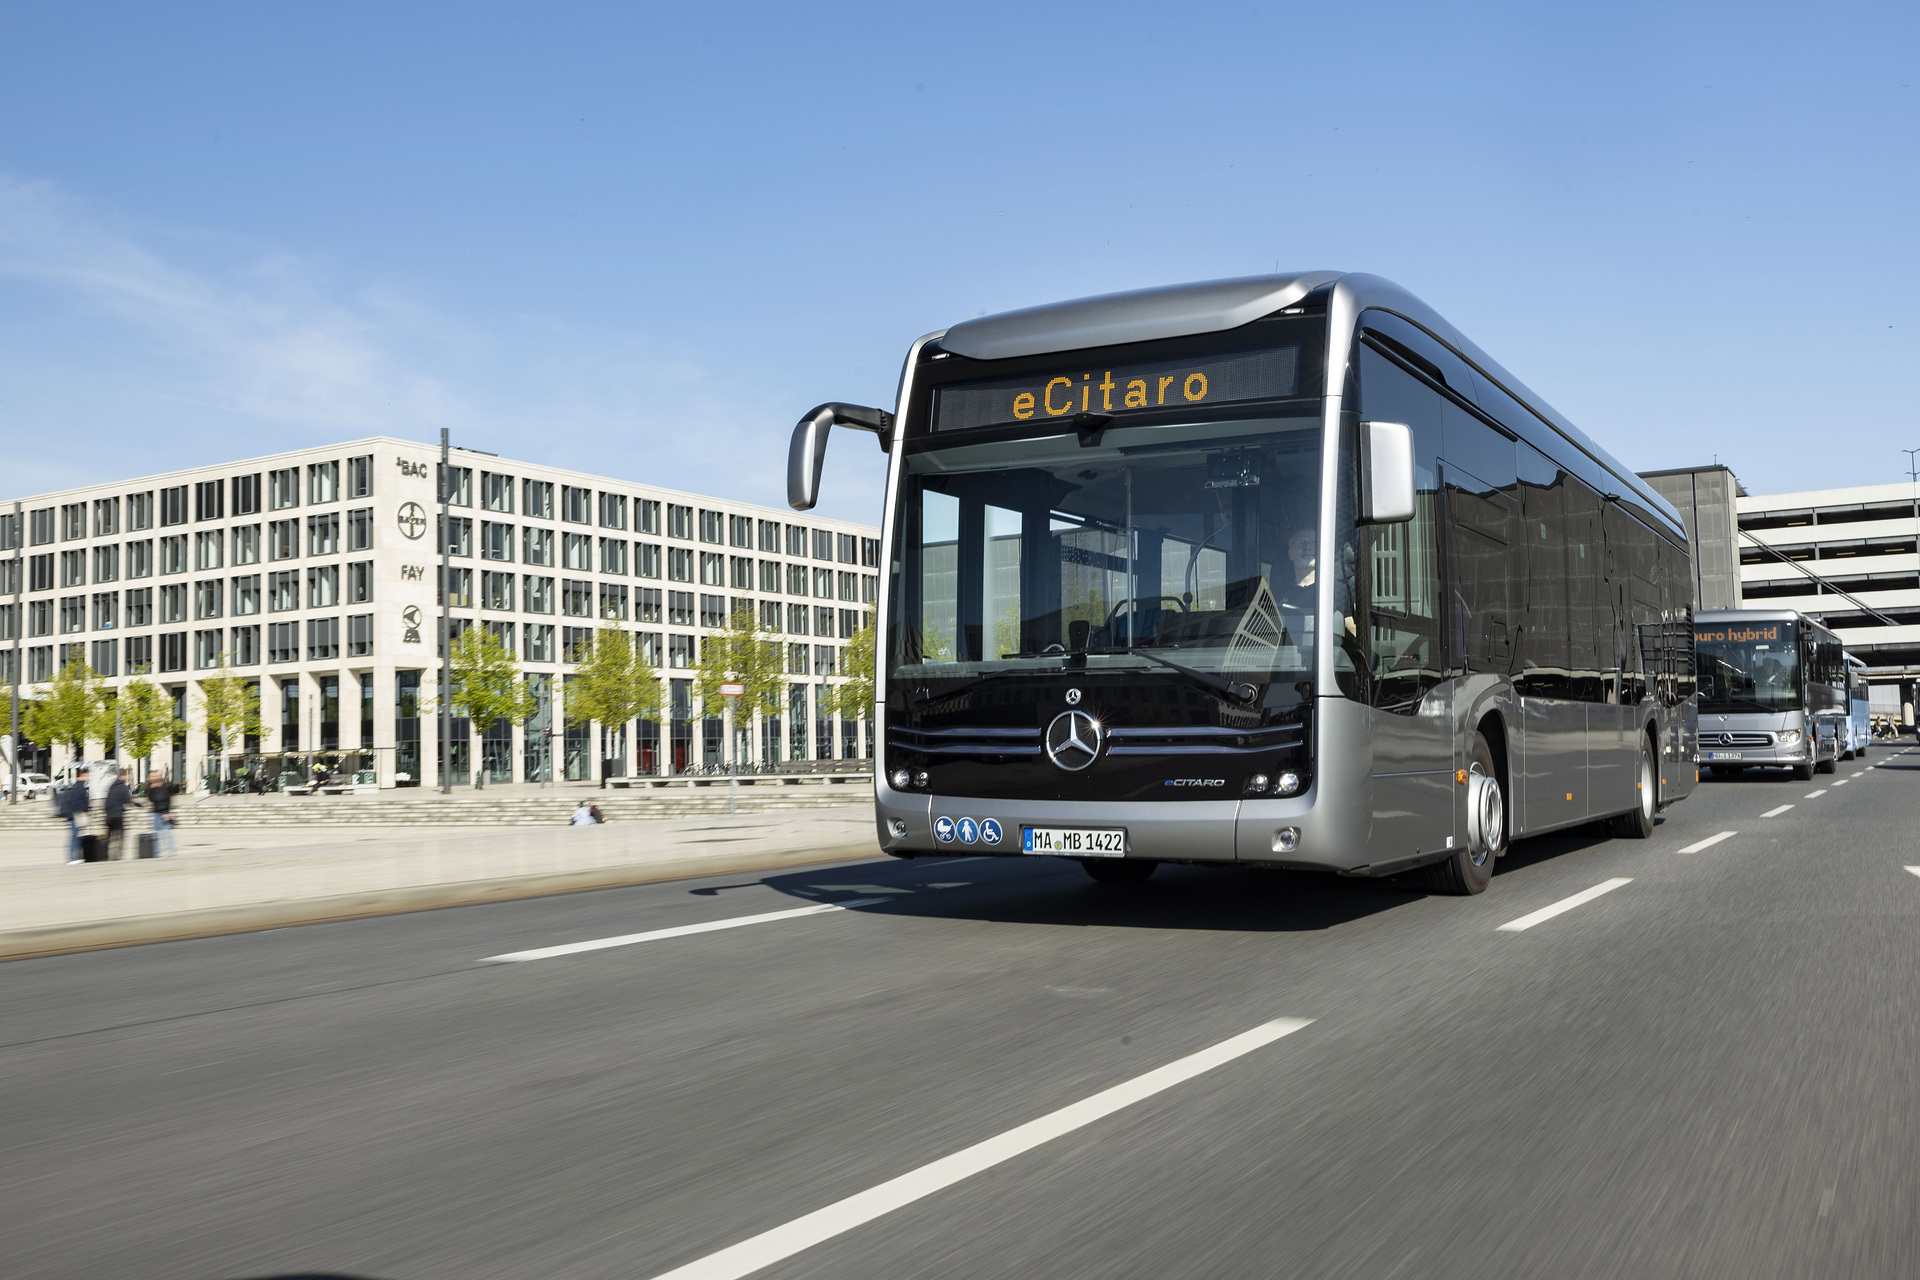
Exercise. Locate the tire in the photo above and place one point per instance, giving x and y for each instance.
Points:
(1119, 870)
(1827, 766)
(1803, 773)
(1637, 822)
(1468, 871)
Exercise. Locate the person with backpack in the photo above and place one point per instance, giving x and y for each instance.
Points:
(75, 801)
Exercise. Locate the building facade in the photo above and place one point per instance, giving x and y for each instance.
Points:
(317, 572)
(1705, 497)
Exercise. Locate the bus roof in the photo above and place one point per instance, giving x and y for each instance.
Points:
(1214, 306)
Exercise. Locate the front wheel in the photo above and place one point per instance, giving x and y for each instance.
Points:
(1803, 773)
(1826, 766)
(1470, 870)
(1637, 823)
(1119, 870)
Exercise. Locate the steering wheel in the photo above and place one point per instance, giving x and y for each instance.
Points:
(1136, 601)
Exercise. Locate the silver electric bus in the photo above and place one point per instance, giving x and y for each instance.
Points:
(1770, 680)
(1278, 571)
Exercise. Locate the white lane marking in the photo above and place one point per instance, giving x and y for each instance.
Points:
(1774, 813)
(1841, 782)
(804, 1232)
(678, 931)
(1568, 904)
(1915, 870)
(1712, 840)
(1814, 795)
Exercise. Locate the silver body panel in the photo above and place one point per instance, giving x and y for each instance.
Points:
(1728, 739)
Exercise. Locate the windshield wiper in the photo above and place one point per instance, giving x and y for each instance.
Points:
(1227, 690)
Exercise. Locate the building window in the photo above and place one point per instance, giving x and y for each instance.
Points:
(360, 635)
(649, 648)
(740, 573)
(209, 500)
(173, 651)
(503, 632)
(41, 526)
(73, 568)
(323, 586)
(613, 601)
(173, 603)
(646, 559)
(359, 529)
(140, 607)
(846, 548)
(770, 615)
(712, 526)
(869, 588)
(173, 554)
(536, 499)
(246, 495)
(713, 569)
(797, 580)
(209, 549)
(106, 610)
(823, 659)
(323, 638)
(360, 582)
(850, 622)
(246, 544)
(104, 657)
(823, 544)
(713, 611)
(323, 483)
(576, 598)
(246, 595)
(40, 572)
(740, 531)
(73, 521)
(10, 532)
(870, 552)
(496, 590)
(574, 642)
(850, 587)
(770, 576)
(613, 511)
(536, 546)
(459, 536)
(613, 556)
(797, 615)
(770, 536)
(206, 649)
(73, 614)
(646, 515)
(576, 504)
(243, 648)
(283, 540)
(680, 608)
(539, 641)
(679, 652)
(283, 590)
(106, 517)
(10, 577)
(536, 594)
(647, 605)
(679, 521)
(457, 589)
(496, 492)
(577, 552)
(106, 563)
(359, 476)
(823, 621)
(139, 655)
(460, 493)
(496, 540)
(206, 599)
(323, 534)
(283, 488)
(140, 558)
(798, 662)
(679, 564)
(40, 664)
(139, 511)
(823, 584)
(283, 642)
(797, 541)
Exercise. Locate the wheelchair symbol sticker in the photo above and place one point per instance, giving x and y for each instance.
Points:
(989, 831)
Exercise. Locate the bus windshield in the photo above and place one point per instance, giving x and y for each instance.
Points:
(1750, 667)
(1192, 540)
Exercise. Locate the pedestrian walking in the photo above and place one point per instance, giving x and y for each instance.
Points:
(114, 809)
(74, 802)
(160, 800)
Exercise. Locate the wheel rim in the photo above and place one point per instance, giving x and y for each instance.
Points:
(1646, 788)
(1487, 818)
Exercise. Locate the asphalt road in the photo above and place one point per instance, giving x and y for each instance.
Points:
(1710, 1070)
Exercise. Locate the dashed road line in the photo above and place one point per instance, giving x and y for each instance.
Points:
(1841, 782)
(1915, 870)
(1774, 813)
(1814, 795)
(678, 931)
(782, 1242)
(1711, 840)
(1567, 904)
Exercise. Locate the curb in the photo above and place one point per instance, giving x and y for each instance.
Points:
(212, 922)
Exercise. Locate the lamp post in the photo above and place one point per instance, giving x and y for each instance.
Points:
(446, 625)
(731, 692)
(19, 625)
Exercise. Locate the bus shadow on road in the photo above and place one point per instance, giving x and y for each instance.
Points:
(1055, 892)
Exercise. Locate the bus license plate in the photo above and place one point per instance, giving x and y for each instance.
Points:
(1075, 842)
(1723, 755)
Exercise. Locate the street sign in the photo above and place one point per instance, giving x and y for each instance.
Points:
(733, 690)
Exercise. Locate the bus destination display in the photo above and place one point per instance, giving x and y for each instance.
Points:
(1746, 634)
(1270, 374)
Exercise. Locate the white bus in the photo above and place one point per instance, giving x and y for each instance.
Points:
(1859, 708)
(1278, 571)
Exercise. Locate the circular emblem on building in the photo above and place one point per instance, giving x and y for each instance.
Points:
(1073, 697)
(411, 615)
(1073, 740)
(413, 520)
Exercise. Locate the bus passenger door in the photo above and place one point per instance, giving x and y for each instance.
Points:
(1553, 783)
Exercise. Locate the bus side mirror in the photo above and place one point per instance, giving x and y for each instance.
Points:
(1386, 472)
(808, 452)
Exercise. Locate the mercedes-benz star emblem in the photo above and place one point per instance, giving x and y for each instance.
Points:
(1073, 740)
(1073, 697)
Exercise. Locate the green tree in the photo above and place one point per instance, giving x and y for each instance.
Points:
(229, 711)
(70, 710)
(146, 719)
(854, 699)
(486, 680)
(744, 654)
(615, 684)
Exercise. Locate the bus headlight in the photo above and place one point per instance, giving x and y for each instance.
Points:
(1286, 839)
(900, 779)
(1288, 784)
(1788, 737)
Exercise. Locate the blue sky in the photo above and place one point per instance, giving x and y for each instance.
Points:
(643, 239)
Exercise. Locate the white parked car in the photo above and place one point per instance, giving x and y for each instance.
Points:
(32, 785)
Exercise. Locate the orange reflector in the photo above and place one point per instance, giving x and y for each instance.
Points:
(1569, 795)
(1460, 776)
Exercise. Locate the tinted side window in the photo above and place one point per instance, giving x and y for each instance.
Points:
(1589, 615)
(1483, 566)
(1543, 669)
